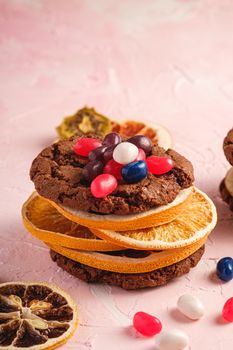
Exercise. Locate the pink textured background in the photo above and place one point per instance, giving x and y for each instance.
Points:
(168, 61)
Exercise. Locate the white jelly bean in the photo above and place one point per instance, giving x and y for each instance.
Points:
(172, 340)
(125, 152)
(190, 306)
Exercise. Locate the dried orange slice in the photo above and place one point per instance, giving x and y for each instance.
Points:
(35, 316)
(156, 132)
(144, 262)
(198, 218)
(83, 122)
(152, 217)
(43, 221)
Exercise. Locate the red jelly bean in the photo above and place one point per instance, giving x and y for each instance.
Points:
(103, 185)
(141, 155)
(227, 311)
(159, 165)
(113, 168)
(85, 145)
(146, 324)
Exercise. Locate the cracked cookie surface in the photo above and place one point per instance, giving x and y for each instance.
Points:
(57, 175)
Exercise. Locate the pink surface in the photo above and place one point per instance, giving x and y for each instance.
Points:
(166, 61)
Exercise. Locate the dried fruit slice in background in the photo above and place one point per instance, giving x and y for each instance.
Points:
(83, 122)
(43, 221)
(88, 121)
(35, 316)
(157, 133)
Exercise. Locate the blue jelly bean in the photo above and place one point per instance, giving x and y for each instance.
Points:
(225, 269)
(134, 172)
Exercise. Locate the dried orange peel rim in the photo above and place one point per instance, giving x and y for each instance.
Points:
(121, 264)
(138, 240)
(153, 217)
(52, 343)
(62, 239)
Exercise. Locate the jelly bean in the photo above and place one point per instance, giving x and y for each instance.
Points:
(190, 306)
(172, 340)
(112, 139)
(142, 142)
(114, 169)
(103, 185)
(108, 153)
(134, 172)
(159, 165)
(227, 311)
(224, 269)
(125, 153)
(141, 155)
(97, 153)
(92, 169)
(146, 324)
(85, 145)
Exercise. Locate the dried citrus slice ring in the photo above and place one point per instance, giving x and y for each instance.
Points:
(198, 218)
(85, 121)
(35, 316)
(157, 133)
(43, 221)
(152, 217)
(134, 262)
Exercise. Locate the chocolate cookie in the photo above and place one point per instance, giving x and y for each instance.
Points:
(225, 194)
(228, 146)
(128, 281)
(57, 175)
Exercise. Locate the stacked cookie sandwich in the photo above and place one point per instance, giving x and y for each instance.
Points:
(119, 211)
(226, 186)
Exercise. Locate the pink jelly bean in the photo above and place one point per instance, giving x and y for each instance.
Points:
(227, 311)
(141, 155)
(146, 324)
(159, 165)
(85, 145)
(113, 168)
(103, 185)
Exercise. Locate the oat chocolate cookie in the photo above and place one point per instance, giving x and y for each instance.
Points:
(57, 175)
(128, 281)
(228, 146)
(225, 194)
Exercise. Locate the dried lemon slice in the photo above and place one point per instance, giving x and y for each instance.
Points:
(43, 221)
(198, 218)
(133, 261)
(85, 121)
(35, 316)
(152, 217)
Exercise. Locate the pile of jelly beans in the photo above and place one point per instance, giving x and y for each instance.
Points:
(113, 160)
(191, 307)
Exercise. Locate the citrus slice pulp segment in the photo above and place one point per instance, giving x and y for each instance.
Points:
(197, 218)
(152, 261)
(47, 316)
(153, 217)
(44, 222)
